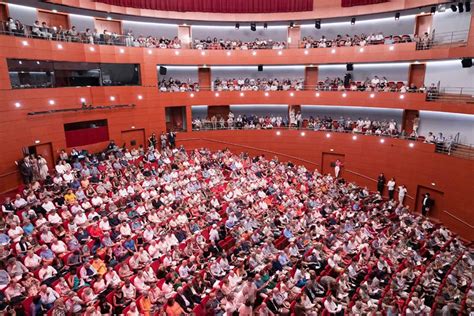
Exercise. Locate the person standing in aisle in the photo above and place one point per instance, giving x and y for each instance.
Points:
(381, 183)
(391, 188)
(402, 191)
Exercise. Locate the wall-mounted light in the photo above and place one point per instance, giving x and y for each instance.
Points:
(37, 141)
(83, 100)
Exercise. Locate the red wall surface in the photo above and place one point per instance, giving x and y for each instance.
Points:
(364, 159)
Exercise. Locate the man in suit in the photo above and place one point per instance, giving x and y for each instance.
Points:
(427, 204)
(26, 171)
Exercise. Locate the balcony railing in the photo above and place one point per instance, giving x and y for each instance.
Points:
(448, 39)
(452, 94)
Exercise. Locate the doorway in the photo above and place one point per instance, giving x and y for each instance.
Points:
(45, 150)
(329, 161)
(133, 138)
(436, 195)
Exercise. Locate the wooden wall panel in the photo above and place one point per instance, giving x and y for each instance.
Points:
(204, 78)
(423, 24)
(53, 19)
(417, 74)
(364, 159)
(109, 25)
(311, 77)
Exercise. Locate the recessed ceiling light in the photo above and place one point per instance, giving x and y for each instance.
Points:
(402, 96)
(306, 52)
(60, 46)
(280, 52)
(278, 133)
(382, 140)
(328, 135)
(192, 95)
(344, 95)
(51, 102)
(317, 94)
(254, 53)
(333, 51)
(25, 43)
(17, 104)
(292, 94)
(37, 141)
(176, 52)
(411, 145)
(241, 94)
(354, 137)
(267, 94)
(303, 133)
(140, 97)
(122, 50)
(92, 49)
(372, 95)
(83, 100)
(112, 98)
(217, 94)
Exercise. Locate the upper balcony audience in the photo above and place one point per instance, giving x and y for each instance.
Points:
(356, 40)
(90, 36)
(237, 44)
(259, 84)
(175, 85)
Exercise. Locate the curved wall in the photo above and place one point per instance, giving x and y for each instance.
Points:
(418, 167)
(321, 9)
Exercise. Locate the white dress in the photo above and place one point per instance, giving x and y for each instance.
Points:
(43, 168)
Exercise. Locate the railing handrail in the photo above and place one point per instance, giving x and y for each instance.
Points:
(458, 219)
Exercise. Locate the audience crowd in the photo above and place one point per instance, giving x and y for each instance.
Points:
(258, 84)
(375, 84)
(91, 36)
(356, 40)
(144, 231)
(106, 37)
(215, 43)
(176, 85)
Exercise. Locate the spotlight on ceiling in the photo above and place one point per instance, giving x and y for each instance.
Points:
(265, 25)
(397, 16)
(317, 24)
(353, 21)
(454, 8)
(433, 10)
(461, 7)
(467, 4)
(292, 24)
(253, 27)
(237, 26)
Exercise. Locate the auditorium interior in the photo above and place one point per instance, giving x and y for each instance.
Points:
(236, 157)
